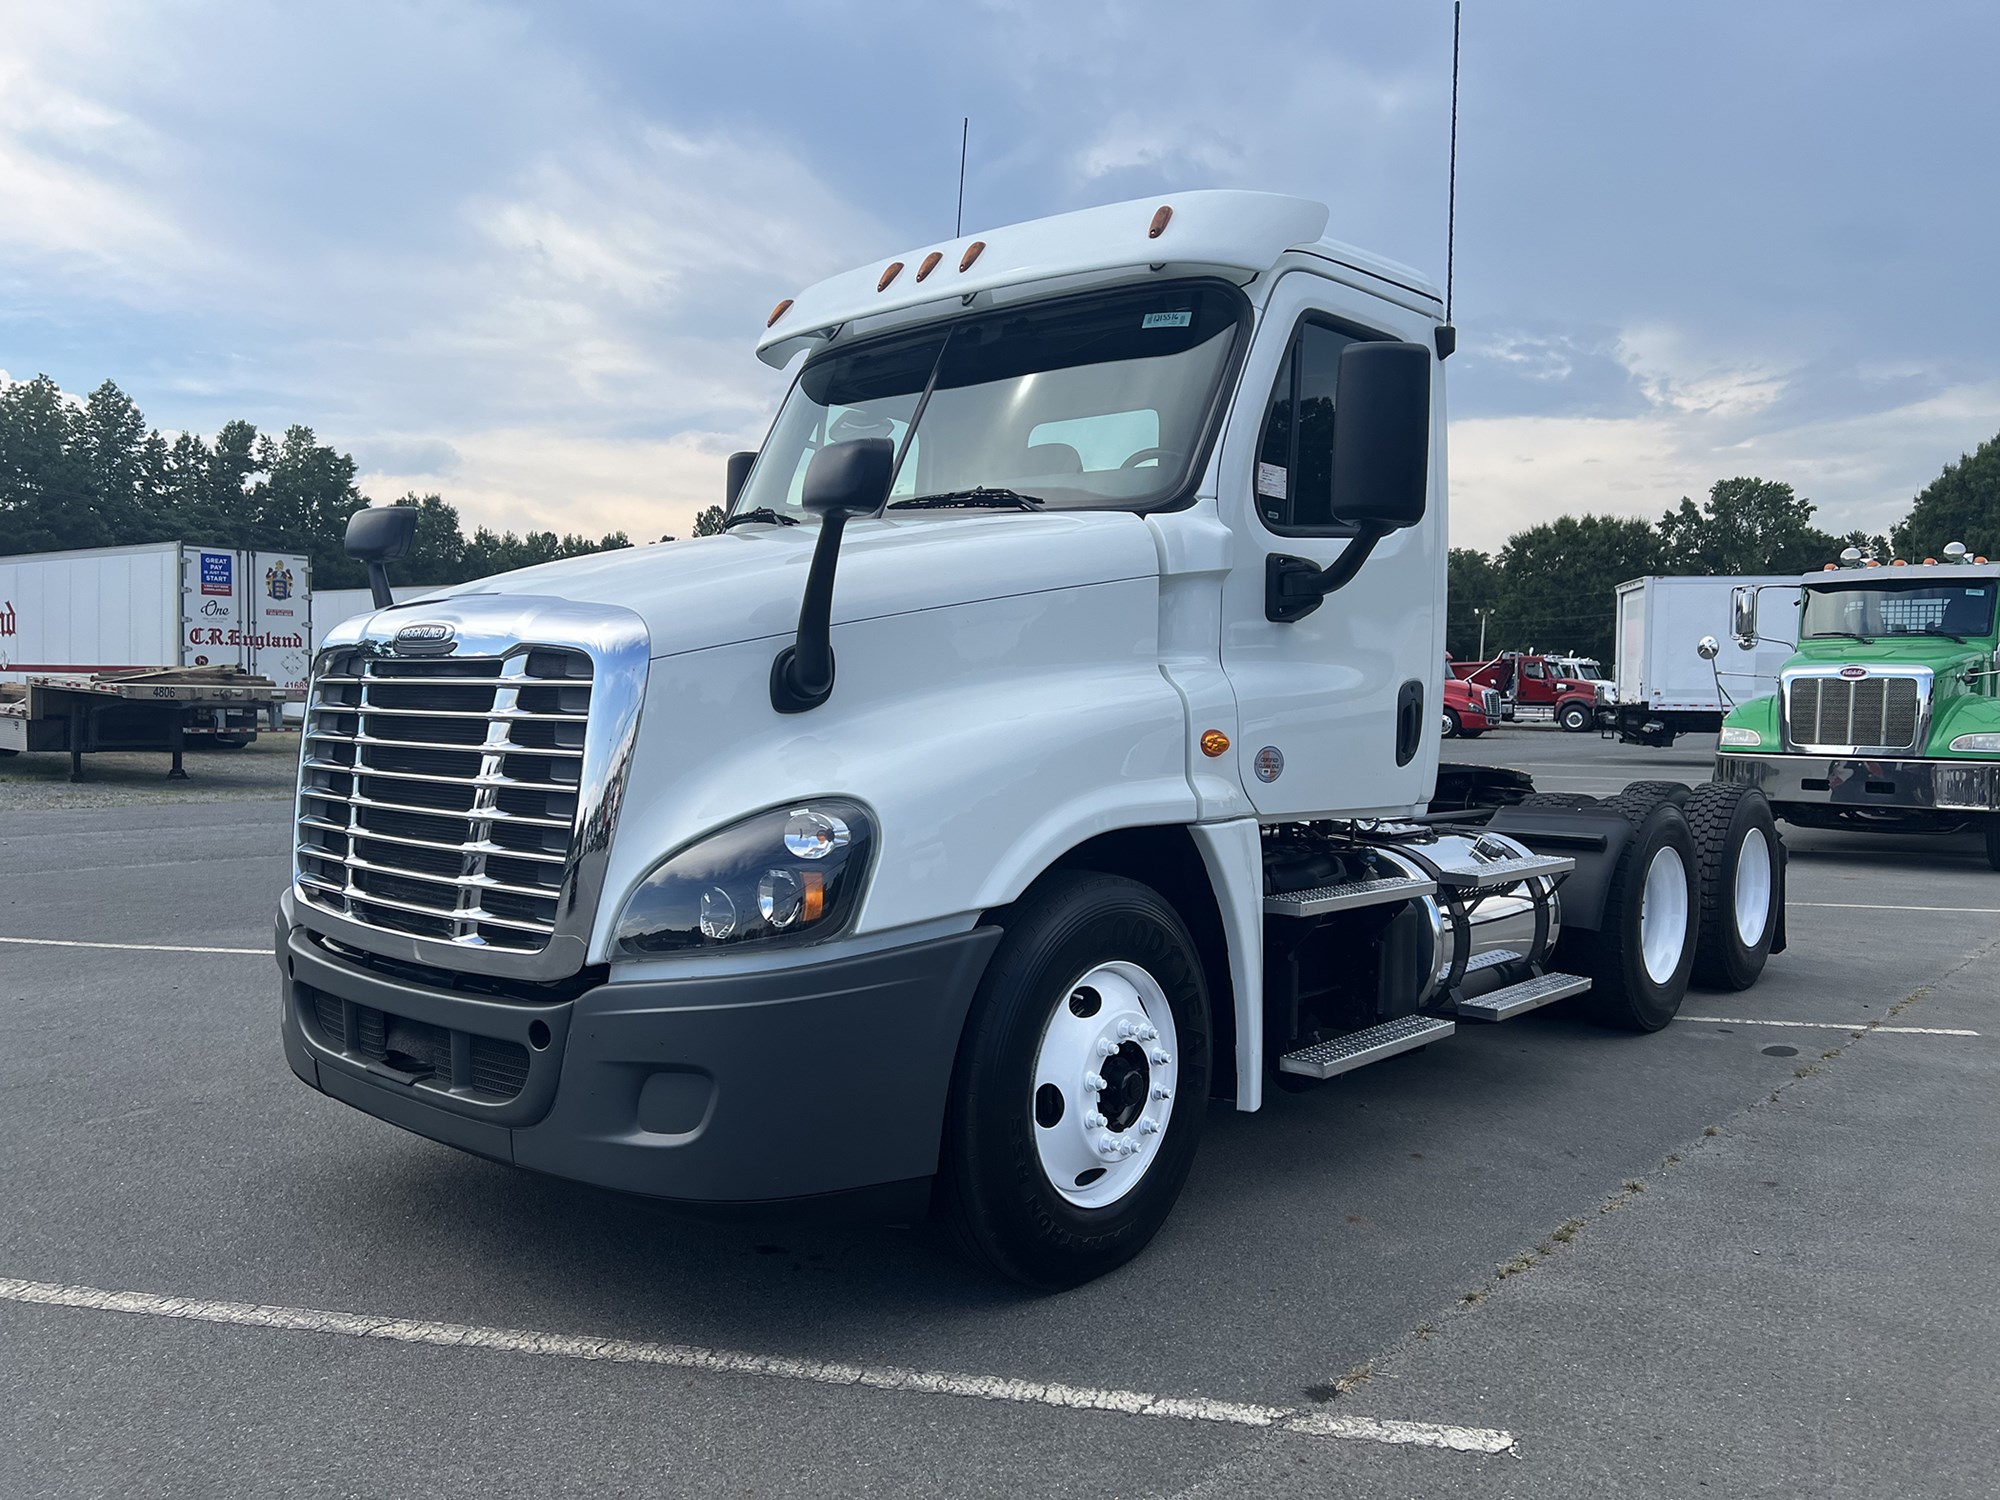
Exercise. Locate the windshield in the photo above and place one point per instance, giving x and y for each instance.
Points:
(1869, 611)
(1583, 668)
(1103, 400)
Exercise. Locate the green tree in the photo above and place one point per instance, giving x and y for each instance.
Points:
(709, 522)
(46, 498)
(1961, 505)
(1747, 525)
(1558, 582)
(437, 551)
(1473, 587)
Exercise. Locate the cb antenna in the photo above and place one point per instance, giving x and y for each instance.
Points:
(964, 135)
(1447, 334)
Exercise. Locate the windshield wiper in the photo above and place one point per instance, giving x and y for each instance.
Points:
(1940, 633)
(980, 497)
(762, 513)
(1851, 635)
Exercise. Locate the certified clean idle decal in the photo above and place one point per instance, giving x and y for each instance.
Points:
(1270, 763)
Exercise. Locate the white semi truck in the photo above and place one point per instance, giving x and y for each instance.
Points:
(1048, 747)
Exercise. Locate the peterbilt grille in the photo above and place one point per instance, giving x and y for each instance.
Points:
(438, 799)
(1855, 711)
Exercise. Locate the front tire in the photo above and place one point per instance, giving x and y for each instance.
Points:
(1451, 725)
(1993, 842)
(1042, 1180)
(1575, 718)
(1741, 870)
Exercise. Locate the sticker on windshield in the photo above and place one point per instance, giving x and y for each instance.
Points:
(1167, 320)
(1271, 480)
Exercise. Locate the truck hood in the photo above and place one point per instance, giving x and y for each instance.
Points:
(746, 584)
(1947, 659)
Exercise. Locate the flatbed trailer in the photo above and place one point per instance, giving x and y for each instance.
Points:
(149, 709)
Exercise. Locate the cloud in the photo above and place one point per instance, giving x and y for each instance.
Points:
(1674, 371)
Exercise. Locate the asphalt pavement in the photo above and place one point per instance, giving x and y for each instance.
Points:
(1750, 1255)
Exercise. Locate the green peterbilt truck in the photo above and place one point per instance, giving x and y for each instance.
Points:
(1887, 717)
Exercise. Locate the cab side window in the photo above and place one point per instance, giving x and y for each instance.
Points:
(1294, 481)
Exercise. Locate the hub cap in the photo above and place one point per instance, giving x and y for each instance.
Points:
(1753, 887)
(1663, 916)
(1105, 1078)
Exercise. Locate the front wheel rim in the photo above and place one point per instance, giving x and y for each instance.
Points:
(1106, 1072)
(1753, 888)
(1663, 915)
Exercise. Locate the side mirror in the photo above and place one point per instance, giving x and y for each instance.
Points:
(1743, 615)
(849, 479)
(1382, 434)
(738, 473)
(843, 479)
(1708, 648)
(1381, 469)
(380, 535)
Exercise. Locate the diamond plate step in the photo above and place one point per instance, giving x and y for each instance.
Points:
(1494, 872)
(1347, 895)
(1370, 1044)
(1529, 994)
(1492, 958)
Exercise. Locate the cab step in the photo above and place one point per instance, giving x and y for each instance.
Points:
(1318, 900)
(1489, 873)
(1492, 958)
(1370, 1044)
(1529, 994)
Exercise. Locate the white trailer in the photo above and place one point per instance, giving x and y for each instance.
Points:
(1666, 687)
(160, 604)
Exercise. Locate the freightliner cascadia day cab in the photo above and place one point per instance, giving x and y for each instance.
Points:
(1887, 717)
(1048, 747)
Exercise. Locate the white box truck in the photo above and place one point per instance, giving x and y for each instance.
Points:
(1665, 687)
(1048, 745)
(159, 604)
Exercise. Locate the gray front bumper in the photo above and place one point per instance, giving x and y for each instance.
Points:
(1864, 784)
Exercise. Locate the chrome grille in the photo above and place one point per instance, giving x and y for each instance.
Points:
(1871, 712)
(438, 798)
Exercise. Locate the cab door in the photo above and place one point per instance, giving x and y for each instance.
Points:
(1339, 712)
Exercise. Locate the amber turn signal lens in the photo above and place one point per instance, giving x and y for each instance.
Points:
(1213, 743)
(930, 264)
(778, 312)
(971, 254)
(895, 268)
(814, 903)
(1161, 216)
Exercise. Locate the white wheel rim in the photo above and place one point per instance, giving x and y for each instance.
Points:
(1753, 887)
(1663, 915)
(1106, 1073)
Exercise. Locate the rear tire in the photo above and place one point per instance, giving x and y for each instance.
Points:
(1575, 718)
(1650, 792)
(1004, 1131)
(1739, 863)
(1558, 799)
(1640, 958)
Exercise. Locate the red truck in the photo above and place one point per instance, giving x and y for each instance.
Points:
(1470, 709)
(1571, 690)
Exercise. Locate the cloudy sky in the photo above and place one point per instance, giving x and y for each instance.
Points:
(519, 254)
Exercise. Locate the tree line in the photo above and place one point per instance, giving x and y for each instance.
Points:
(1550, 588)
(93, 474)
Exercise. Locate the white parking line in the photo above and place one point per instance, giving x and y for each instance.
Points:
(775, 1367)
(1837, 1026)
(129, 947)
(1973, 911)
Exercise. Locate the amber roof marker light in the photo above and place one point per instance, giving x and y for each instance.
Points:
(778, 312)
(971, 254)
(930, 264)
(895, 269)
(1162, 216)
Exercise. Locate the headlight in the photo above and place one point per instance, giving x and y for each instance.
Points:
(791, 875)
(1735, 734)
(1985, 744)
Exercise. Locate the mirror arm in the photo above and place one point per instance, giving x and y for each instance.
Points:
(378, 583)
(802, 673)
(1295, 586)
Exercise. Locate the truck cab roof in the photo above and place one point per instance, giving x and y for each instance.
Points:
(1237, 235)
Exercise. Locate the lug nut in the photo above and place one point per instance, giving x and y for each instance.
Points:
(1094, 1082)
(1149, 1127)
(1161, 1094)
(1107, 1148)
(1149, 1033)
(1160, 1058)
(1093, 1120)
(1126, 1028)
(1105, 1046)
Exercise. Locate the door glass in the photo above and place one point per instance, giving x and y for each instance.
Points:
(1319, 368)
